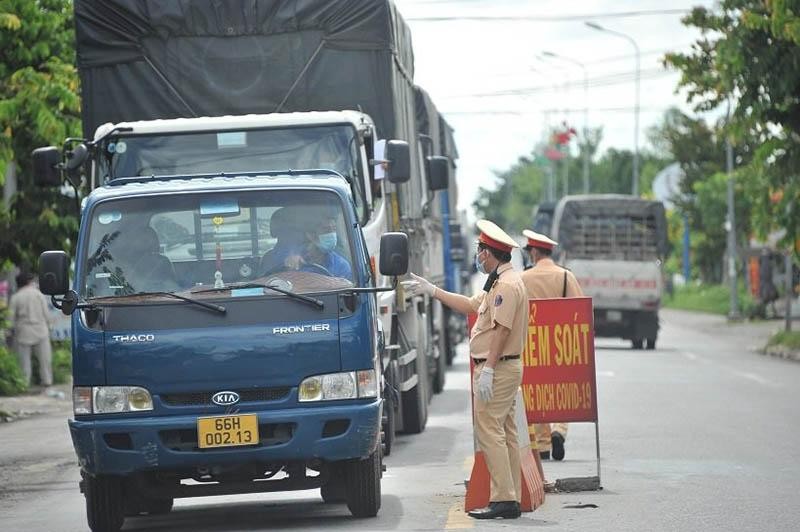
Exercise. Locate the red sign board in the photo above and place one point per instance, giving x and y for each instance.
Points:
(558, 378)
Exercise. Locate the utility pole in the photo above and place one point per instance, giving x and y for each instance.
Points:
(585, 115)
(789, 291)
(635, 177)
(730, 226)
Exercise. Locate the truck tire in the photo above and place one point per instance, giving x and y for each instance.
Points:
(415, 400)
(389, 421)
(333, 491)
(651, 343)
(104, 508)
(637, 343)
(440, 361)
(363, 485)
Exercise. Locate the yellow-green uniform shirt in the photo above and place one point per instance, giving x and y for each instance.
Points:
(505, 304)
(546, 280)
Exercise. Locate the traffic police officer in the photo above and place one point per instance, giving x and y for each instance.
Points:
(496, 342)
(547, 280)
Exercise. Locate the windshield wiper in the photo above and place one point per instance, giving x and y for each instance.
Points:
(299, 297)
(209, 306)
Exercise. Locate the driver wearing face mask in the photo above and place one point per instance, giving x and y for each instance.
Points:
(320, 250)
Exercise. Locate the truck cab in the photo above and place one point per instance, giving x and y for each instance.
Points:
(225, 340)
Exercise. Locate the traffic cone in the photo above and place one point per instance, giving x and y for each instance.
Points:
(478, 487)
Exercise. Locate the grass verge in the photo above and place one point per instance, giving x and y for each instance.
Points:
(790, 339)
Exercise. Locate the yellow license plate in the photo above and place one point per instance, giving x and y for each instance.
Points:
(227, 431)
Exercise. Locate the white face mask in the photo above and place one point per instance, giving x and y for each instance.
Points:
(480, 266)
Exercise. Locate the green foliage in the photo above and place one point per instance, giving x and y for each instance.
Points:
(699, 149)
(520, 188)
(712, 298)
(39, 105)
(62, 362)
(12, 381)
(749, 54)
(790, 339)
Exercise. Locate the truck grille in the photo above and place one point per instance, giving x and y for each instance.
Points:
(251, 395)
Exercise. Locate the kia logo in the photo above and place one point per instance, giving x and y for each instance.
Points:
(225, 398)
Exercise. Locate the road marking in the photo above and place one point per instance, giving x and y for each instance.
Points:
(754, 377)
(690, 356)
(457, 518)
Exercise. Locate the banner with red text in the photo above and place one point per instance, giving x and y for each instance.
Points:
(558, 378)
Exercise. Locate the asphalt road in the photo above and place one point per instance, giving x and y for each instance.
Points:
(700, 434)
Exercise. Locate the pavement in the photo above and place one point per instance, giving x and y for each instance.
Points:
(751, 335)
(37, 401)
(696, 435)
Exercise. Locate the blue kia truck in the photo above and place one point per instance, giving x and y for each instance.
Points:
(244, 85)
(203, 364)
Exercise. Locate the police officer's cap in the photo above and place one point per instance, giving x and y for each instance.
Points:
(494, 237)
(538, 240)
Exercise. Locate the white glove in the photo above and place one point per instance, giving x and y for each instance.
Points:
(485, 380)
(418, 286)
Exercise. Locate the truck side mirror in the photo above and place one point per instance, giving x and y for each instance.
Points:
(399, 157)
(45, 167)
(438, 172)
(394, 254)
(54, 273)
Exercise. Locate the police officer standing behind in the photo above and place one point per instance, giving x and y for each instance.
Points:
(496, 342)
(547, 280)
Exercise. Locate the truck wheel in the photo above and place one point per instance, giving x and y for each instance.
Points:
(104, 509)
(363, 488)
(333, 492)
(415, 400)
(651, 343)
(389, 421)
(441, 364)
(637, 344)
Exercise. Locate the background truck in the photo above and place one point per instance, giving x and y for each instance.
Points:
(179, 84)
(243, 89)
(615, 245)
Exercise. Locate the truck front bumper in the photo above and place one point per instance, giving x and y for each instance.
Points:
(129, 445)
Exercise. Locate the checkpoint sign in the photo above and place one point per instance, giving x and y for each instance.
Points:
(558, 378)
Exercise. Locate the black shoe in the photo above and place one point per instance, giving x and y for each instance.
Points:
(557, 440)
(498, 510)
(544, 455)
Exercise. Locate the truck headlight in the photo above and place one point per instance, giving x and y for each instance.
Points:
(335, 386)
(110, 399)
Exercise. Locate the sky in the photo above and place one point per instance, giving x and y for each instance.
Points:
(492, 84)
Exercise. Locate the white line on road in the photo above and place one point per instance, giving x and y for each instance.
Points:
(755, 378)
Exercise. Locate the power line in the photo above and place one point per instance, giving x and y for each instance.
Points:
(549, 18)
(656, 109)
(602, 81)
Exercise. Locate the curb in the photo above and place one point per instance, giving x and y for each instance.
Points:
(781, 351)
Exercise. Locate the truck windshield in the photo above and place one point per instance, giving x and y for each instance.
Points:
(295, 240)
(247, 150)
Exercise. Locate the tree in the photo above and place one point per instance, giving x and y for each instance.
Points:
(39, 105)
(699, 149)
(749, 55)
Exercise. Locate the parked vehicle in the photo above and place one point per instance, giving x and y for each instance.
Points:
(615, 245)
(210, 142)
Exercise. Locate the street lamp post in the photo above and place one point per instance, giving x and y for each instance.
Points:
(585, 115)
(635, 184)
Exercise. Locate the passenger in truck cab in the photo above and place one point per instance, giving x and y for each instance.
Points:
(316, 252)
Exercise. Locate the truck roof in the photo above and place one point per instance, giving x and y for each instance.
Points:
(178, 185)
(250, 121)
